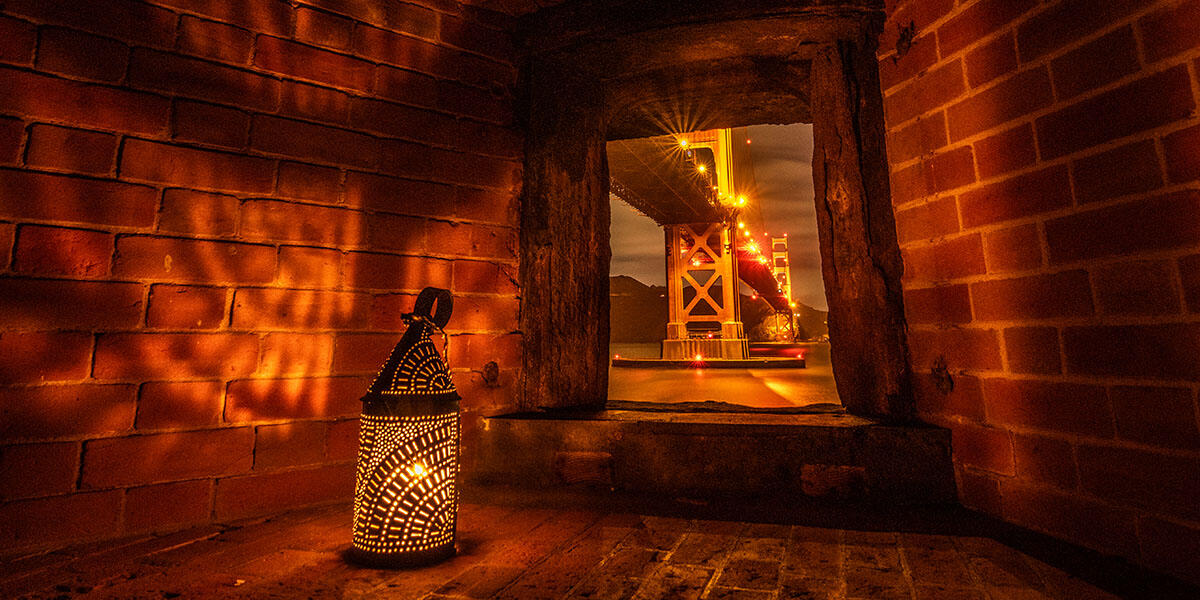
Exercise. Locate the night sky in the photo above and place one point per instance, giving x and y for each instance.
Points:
(783, 169)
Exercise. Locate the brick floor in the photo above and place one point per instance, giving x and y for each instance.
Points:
(516, 553)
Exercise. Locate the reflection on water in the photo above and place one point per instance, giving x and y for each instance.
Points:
(756, 388)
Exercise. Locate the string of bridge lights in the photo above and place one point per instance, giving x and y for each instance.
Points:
(751, 246)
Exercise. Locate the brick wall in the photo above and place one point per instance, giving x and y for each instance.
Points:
(212, 213)
(1044, 160)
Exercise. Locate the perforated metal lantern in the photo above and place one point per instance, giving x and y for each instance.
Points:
(405, 499)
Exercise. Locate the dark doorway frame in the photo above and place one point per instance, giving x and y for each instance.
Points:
(596, 72)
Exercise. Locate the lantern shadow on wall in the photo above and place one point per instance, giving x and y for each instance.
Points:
(405, 494)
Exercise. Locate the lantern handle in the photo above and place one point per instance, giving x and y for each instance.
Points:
(424, 306)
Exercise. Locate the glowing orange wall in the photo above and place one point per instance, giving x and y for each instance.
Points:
(1045, 160)
(212, 214)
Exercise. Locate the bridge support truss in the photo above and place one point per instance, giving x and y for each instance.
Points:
(702, 293)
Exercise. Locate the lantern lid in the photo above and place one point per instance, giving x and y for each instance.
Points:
(415, 365)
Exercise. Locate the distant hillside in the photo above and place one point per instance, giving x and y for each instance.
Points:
(639, 314)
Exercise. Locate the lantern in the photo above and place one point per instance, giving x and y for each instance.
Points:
(405, 498)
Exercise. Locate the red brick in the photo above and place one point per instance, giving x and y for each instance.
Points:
(1144, 104)
(124, 19)
(1014, 249)
(1050, 406)
(391, 272)
(299, 309)
(17, 41)
(1150, 351)
(1070, 516)
(341, 443)
(400, 196)
(82, 104)
(1189, 271)
(314, 103)
(1155, 416)
(73, 150)
(1170, 30)
(408, 87)
(296, 139)
(949, 259)
(59, 251)
(362, 353)
(39, 357)
(1153, 224)
(983, 448)
(977, 21)
(923, 136)
(29, 470)
(210, 124)
(976, 349)
(52, 411)
(206, 39)
(296, 355)
(1045, 460)
(1022, 196)
(272, 220)
(401, 234)
(241, 497)
(944, 304)
(1136, 288)
(399, 50)
(12, 133)
(1164, 483)
(187, 211)
(467, 239)
(1170, 547)
(1182, 150)
(60, 518)
(202, 80)
(1005, 152)
(413, 20)
(483, 138)
(168, 506)
(268, 16)
(175, 355)
(313, 64)
(398, 121)
(484, 277)
(964, 401)
(186, 307)
(288, 445)
(1063, 23)
(171, 404)
(466, 34)
(8, 233)
(1011, 99)
(1065, 294)
(48, 304)
(927, 92)
(78, 54)
(166, 457)
(473, 351)
(323, 29)
(309, 267)
(176, 165)
(934, 219)
(919, 14)
(1032, 350)
(996, 58)
(500, 207)
(1125, 170)
(1103, 60)
(193, 260)
(274, 399)
(476, 313)
(899, 68)
(951, 169)
(319, 184)
(386, 310)
(979, 492)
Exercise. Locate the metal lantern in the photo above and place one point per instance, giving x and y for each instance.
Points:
(405, 499)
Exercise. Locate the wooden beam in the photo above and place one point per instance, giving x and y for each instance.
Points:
(860, 258)
(565, 251)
